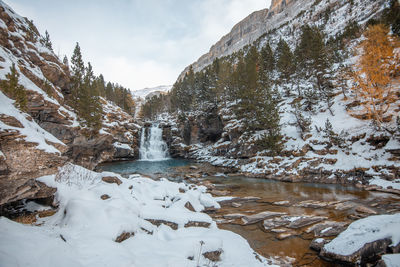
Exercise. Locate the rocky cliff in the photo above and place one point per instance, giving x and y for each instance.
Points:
(36, 142)
(280, 14)
(250, 29)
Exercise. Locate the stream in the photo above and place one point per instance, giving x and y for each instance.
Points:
(306, 211)
(332, 202)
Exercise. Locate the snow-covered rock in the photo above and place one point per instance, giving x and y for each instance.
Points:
(364, 239)
(84, 231)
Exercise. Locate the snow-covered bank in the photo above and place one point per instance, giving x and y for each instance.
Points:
(84, 230)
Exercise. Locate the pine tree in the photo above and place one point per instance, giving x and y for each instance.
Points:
(14, 90)
(313, 60)
(47, 41)
(78, 72)
(65, 61)
(284, 63)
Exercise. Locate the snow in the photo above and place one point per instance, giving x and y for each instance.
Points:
(391, 260)
(31, 130)
(365, 231)
(90, 225)
(395, 184)
(123, 146)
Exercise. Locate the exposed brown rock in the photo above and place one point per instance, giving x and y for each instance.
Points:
(124, 236)
(111, 180)
(189, 206)
(213, 255)
(197, 224)
(173, 225)
(105, 197)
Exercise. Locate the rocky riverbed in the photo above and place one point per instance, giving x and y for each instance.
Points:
(289, 221)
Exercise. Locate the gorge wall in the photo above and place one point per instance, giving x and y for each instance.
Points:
(36, 141)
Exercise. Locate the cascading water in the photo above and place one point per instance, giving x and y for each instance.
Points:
(152, 145)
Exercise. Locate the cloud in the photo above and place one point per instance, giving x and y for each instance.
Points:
(133, 42)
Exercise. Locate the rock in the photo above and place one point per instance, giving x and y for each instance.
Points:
(328, 228)
(368, 253)
(281, 203)
(111, 180)
(124, 236)
(364, 209)
(239, 200)
(173, 225)
(192, 167)
(220, 192)
(234, 216)
(197, 224)
(213, 256)
(315, 204)
(260, 216)
(273, 223)
(345, 206)
(301, 221)
(189, 206)
(318, 243)
(236, 205)
(285, 235)
(104, 197)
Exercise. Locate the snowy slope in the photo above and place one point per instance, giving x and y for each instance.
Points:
(142, 93)
(84, 230)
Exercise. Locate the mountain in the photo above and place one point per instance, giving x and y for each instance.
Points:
(223, 112)
(48, 132)
(143, 93)
(281, 14)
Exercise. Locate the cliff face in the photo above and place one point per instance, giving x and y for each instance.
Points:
(249, 30)
(37, 141)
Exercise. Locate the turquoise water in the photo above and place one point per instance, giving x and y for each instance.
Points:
(144, 167)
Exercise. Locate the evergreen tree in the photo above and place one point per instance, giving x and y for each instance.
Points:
(65, 61)
(14, 90)
(77, 74)
(313, 60)
(47, 41)
(284, 63)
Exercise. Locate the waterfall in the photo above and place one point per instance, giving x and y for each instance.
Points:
(152, 145)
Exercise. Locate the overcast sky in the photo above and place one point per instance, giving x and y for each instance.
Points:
(136, 43)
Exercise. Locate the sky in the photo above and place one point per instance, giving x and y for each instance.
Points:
(136, 43)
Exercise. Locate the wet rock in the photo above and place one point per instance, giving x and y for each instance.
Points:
(282, 203)
(285, 235)
(104, 197)
(251, 219)
(220, 192)
(315, 204)
(111, 180)
(328, 228)
(239, 200)
(345, 206)
(213, 256)
(274, 223)
(173, 225)
(318, 243)
(301, 221)
(364, 209)
(192, 167)
(197, 224)
(236, 205)
(234, 216)
(124, 236)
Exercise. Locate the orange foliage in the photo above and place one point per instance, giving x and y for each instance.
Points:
(376, 67)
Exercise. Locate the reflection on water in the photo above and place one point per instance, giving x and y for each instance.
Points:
(143, 166)
(297, 246)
